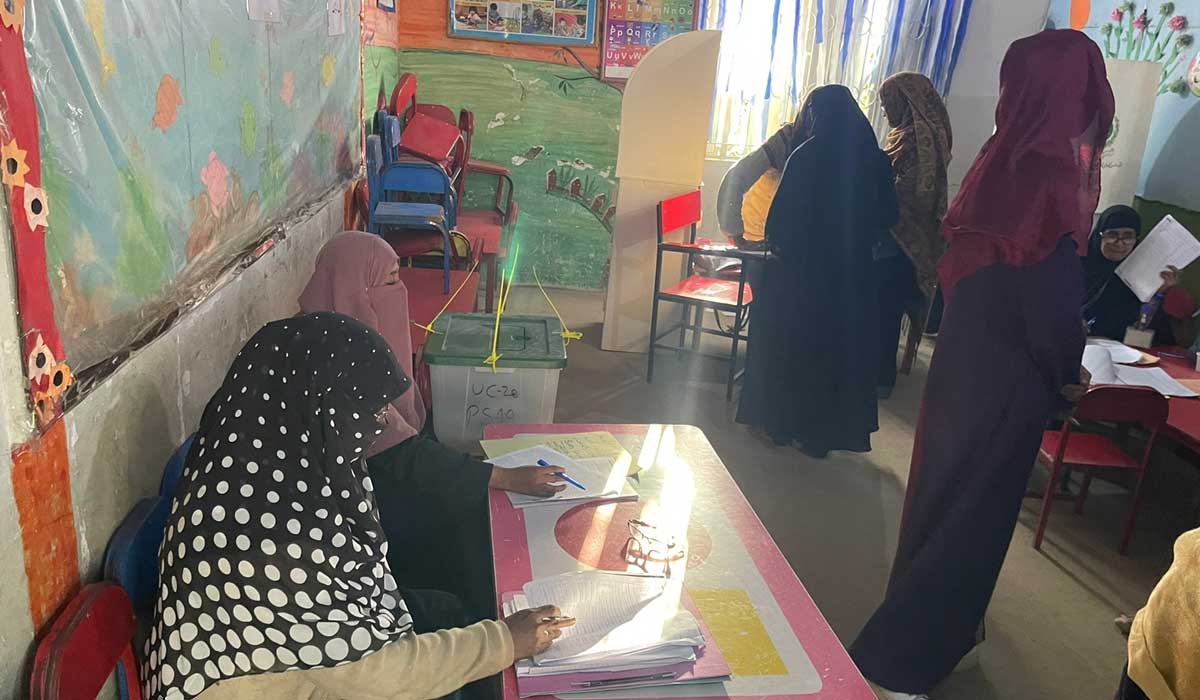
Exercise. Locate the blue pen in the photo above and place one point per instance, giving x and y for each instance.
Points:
(563, 476)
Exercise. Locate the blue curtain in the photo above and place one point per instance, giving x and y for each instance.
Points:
(856, 42)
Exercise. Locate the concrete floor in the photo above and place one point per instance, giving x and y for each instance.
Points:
(1050, 630)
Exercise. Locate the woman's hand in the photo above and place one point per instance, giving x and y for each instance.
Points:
(533, 631)
(1170, 277)
(531, 481)
(1075, 392)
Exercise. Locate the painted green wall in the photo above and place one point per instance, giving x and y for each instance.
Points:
(519, 106)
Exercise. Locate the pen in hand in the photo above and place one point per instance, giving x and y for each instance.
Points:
(563, 476)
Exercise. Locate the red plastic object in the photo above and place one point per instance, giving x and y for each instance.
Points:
(677, 212)
(404, 97)
(439, 112)
(1124, 405)
(715, 292)
(411, 243)
(90, 638)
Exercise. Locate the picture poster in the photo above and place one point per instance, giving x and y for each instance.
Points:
(559, 22)
(633, 27)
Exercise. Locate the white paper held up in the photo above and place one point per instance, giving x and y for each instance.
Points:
(1169, 243)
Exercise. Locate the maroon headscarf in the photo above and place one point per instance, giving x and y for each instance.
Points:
(351, 278)
(1037, 179)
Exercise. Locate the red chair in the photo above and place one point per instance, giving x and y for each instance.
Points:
(697, 292)
(488, 225)
(428, 137)
(90, 638)
(1123, 405)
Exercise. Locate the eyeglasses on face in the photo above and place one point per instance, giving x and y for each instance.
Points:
(1119, 237)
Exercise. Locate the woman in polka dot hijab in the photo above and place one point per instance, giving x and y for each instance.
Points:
(273, 558)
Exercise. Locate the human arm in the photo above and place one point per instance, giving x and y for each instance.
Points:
(740, 178)
(423, 666)
(531, 481)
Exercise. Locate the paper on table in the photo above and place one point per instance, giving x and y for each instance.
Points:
(598, 478)
(573, 445)
(1154, 378)
(616, 615)
(1169, 243)
(1099, 363)
(1121, 353)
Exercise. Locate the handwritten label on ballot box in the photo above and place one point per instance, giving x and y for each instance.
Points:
(493, 397)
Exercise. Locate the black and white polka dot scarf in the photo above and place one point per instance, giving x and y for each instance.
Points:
(273, 558)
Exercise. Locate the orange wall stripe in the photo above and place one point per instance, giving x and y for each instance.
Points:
(41, 483)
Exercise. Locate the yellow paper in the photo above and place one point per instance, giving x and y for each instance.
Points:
(738, 632)
(574, 445)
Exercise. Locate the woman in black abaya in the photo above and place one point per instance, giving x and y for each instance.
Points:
(812, 365)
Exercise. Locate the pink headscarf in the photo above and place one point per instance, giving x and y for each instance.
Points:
(351, 278)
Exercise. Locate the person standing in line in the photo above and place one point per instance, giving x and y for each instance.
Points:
(810, 376)
(906, 262)
(1008, 353)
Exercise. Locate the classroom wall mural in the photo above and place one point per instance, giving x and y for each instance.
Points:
(1160, 32)
(540, 110)
(172, 136)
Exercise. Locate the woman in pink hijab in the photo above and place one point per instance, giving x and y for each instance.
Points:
(432, 500)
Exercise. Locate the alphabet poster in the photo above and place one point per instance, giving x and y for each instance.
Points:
(633, 27)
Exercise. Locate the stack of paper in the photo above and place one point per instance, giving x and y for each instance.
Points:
(1169, 243)
(599, 478)
(1098, 360)
(630, 631)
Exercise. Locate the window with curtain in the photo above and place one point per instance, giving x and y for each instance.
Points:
(773, 52)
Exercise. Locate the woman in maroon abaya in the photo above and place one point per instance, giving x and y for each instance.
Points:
(1011, 340)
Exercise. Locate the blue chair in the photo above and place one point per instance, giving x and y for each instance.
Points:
(131, 558)
(389, 186)
(174, 469)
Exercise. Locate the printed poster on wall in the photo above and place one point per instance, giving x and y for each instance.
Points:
(633, 27)
(559, 22)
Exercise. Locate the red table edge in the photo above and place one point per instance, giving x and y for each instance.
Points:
(840, 678)
(1173, 361)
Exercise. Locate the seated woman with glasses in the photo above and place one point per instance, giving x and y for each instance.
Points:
(1109, 306)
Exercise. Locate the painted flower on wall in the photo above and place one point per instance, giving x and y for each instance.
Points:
(1193, 79)
(289, 89)
(215, 177)
(166, 103)
(1161, 40)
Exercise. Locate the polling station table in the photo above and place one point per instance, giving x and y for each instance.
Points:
(1183, 421)
(775, 640)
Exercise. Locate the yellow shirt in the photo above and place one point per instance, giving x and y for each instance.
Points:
(415, 667)
(757, 204)
(1164, 643)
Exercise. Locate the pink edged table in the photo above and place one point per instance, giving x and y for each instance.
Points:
(758, 614)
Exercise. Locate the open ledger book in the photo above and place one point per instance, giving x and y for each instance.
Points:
(630, 631)
(1098, 360)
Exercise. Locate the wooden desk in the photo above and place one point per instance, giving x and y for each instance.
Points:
(762, 619)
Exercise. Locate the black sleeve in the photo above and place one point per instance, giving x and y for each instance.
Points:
(430, 477)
